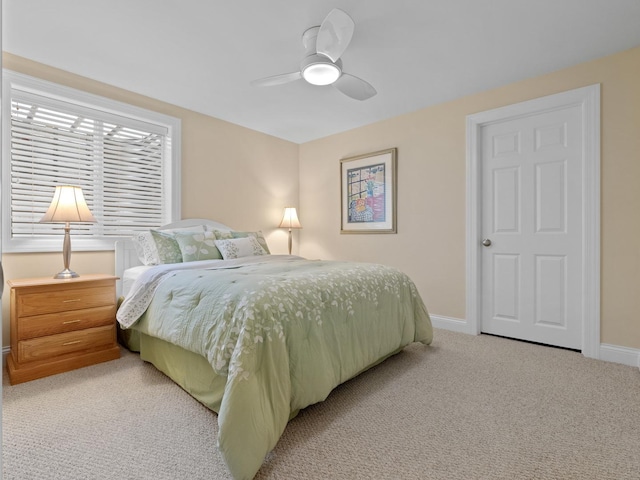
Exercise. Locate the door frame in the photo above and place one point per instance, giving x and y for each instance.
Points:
(588, 99)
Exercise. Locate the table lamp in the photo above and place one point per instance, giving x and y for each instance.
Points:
(290, 220)
(68, 205)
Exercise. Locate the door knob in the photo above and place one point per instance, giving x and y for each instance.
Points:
(486, 242)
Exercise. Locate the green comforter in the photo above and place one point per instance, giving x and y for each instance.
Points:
(284, 331)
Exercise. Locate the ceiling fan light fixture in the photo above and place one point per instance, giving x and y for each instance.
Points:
(319, 70)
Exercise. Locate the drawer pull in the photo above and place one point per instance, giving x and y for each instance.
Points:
(72, 300)
(71, 343)
(71, 321)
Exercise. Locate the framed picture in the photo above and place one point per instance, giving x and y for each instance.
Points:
(368, 193)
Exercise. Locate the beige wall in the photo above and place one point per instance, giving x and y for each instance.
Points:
(229, 173)
(430, 244)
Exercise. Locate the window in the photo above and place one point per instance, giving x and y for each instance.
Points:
(126, 159)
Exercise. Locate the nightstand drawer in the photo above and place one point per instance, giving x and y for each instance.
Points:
(63, 343)
(52, 323)
(64, 300)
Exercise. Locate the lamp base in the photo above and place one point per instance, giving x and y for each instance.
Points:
(66, 273)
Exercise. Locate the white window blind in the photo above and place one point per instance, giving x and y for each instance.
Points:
(123, 157)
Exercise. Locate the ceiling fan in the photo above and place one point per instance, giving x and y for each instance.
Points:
(321, 65)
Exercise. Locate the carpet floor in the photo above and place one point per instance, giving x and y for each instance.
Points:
(466, 407)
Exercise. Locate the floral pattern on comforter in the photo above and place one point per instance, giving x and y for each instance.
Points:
(284, 331)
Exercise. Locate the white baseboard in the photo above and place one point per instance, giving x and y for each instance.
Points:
(449, 323)
(606, 352)
(617, 354)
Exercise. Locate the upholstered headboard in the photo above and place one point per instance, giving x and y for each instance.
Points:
(127, 257)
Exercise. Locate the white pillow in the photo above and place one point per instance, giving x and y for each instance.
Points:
(240, 247)
(146, 248)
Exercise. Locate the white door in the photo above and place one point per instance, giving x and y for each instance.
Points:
(532, 227)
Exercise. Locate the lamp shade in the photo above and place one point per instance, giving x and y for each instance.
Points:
(68, 205)
(290, 218)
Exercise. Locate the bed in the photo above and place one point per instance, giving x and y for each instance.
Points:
(257, 337)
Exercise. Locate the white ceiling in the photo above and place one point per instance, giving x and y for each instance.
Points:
(202, 54)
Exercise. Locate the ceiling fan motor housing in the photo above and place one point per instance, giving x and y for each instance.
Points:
(309, 39)
(316, 68)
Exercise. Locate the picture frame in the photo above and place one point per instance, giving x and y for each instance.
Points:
(368, 186)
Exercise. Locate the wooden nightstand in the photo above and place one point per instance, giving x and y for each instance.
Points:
(60, 325)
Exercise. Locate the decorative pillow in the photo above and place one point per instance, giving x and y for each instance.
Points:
(226, 235)
(167, 246)
(240, 247)
(197, 246)
(146, 248)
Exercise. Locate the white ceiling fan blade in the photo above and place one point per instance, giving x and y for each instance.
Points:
(354, 87)
(335, 34)
(277, 79)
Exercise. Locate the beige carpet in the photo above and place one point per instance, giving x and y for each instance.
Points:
(465, 408)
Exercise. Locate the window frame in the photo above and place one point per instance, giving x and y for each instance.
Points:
(13, 81)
